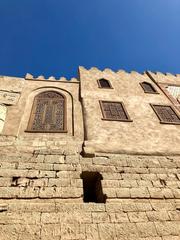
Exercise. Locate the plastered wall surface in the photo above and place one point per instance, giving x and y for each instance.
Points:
(144, 133)
(18, 114)
(170, 85)
(41, 189)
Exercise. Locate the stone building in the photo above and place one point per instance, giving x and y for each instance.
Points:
(92, 158)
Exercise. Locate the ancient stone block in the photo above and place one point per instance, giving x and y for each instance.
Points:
(107, 231)
(123, 193)
(126, 229)
(137, 217)
(146, 229)
(154, 216)
(139, 193)
(168, 228)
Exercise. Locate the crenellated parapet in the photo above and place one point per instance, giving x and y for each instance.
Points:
(95, 70)
(51, 78)
(122, 81)
(165, 77)
(160, 77)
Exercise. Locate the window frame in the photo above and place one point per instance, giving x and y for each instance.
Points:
(157, 114)
(145, 91)
(30, 121)
(112, 119)
(99, 84)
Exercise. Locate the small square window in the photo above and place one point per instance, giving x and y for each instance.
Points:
(114, 111)
(166, 114)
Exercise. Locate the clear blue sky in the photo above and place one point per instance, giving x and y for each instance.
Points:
(54, 37)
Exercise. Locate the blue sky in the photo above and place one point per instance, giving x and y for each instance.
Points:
(54, 37)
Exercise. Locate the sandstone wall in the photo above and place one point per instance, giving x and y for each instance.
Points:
(41, 196)
(41, 189)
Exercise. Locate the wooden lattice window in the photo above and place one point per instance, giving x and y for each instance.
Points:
(114, 111)
(148, 88)
(103, 83)
(48, 113)
(166, 114)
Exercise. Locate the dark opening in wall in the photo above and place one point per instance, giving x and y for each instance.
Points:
(92, 187)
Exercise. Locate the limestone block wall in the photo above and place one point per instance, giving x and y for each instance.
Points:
(144, 134)
(41, 196)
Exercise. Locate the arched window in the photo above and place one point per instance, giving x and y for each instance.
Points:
(103, 83)
(148, 88)
(48, 113)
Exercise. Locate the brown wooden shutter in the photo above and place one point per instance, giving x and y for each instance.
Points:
(114, 111)
(148, 88)
(166, 114)
(103, 83)
(48, 113)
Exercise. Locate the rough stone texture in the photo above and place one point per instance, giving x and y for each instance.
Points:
(41, 190)
(41, 197)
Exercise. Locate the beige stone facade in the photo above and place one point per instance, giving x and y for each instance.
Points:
(41, 185)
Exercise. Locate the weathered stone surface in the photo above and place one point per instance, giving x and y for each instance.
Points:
(168, 228)
(51, 197)
(41, 186)
(126, 229)
(107, 231)
(137, 217)
(9, 98)
(147, 229)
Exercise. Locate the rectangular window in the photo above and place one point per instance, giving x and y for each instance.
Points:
(166, 114)
(114, 111)
(92, 187)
